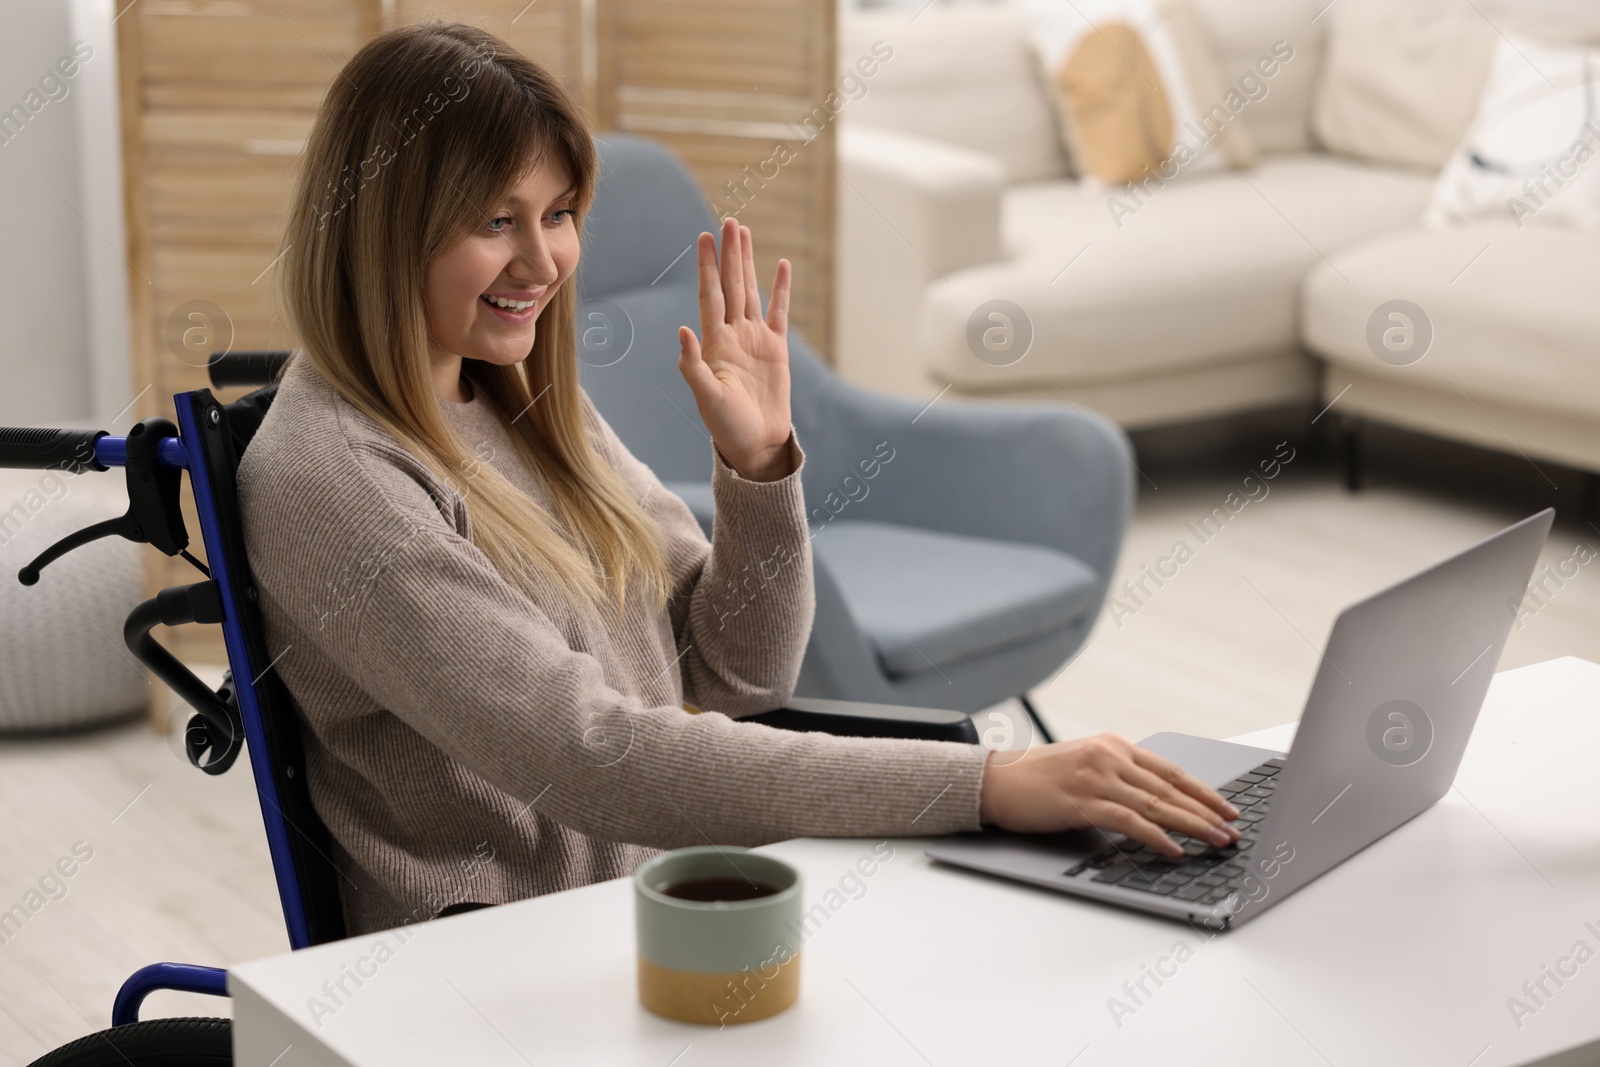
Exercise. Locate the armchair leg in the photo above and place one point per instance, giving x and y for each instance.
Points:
(1038, 721)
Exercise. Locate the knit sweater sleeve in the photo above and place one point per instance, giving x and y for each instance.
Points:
(431, 631)
(742, 603)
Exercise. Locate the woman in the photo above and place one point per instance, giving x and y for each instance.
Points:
(496, 622)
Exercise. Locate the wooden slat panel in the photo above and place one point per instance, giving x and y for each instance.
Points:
(725, 85)
(699, 66)
(246, 54)
(549, 32)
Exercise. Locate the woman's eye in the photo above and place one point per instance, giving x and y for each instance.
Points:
(561, 211)
(497, 229)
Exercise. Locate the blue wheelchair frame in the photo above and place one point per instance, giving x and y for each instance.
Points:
(253, 709)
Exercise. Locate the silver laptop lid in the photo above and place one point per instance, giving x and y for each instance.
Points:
(1390, 710)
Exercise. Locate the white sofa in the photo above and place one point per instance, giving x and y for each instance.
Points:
(1221, 291)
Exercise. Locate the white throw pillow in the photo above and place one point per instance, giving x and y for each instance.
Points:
(1532, 154)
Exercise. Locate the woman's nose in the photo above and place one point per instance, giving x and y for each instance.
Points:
(533, 263)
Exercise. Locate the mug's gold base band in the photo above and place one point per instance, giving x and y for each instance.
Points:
(719, 999)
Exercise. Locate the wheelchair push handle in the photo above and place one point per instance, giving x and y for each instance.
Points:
(49, 448)
(257, 367)
(36, 448)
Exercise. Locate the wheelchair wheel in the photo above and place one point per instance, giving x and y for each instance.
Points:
(197, 1042)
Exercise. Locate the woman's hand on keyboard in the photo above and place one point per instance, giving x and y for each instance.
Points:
(1107, 782)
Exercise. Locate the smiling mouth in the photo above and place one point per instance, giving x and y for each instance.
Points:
(512, 309)
(510, 303)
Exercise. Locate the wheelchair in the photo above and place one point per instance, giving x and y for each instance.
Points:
(252, 711)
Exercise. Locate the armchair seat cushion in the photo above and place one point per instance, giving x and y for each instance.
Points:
(927, 599)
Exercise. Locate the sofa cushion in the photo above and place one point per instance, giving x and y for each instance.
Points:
(1401, 81)
(1513, 313)
(1242, 33)
(1207, 271)
(927, 599)
(962, 75)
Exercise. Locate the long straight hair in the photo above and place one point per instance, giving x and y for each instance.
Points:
(421, 132)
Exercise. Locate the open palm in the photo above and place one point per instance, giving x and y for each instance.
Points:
(739, 372)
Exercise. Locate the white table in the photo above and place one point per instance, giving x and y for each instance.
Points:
(1406, 954)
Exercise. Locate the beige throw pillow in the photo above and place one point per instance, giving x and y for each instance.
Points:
(1136, 88)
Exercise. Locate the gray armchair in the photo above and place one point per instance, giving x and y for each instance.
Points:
(962, 551)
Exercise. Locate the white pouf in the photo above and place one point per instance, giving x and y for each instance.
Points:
(63, 663)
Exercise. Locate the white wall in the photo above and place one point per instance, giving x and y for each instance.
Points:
(63, 280)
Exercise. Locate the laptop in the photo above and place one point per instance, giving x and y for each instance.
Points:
(1383, 731)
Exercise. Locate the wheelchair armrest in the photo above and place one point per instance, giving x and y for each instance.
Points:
(850, 718)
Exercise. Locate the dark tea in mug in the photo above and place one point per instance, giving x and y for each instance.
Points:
(718, 888)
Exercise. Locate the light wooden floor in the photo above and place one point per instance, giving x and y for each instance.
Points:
(179, 869)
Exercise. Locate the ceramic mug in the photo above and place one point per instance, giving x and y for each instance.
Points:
(717, 961)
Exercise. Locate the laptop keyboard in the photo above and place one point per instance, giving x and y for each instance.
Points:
(1204, 874)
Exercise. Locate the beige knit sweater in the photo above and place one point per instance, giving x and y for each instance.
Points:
(466, 741)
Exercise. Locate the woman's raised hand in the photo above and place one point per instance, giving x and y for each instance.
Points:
(739, 373)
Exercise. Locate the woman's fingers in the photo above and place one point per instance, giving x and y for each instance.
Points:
(689, 345)
(692, 365)
(700, 378)
(730, 288)
(1109, 815)
(1140, 778)
(778, 306)
(1182, 779)
(752, 286)
(1164, 813)
(732, 270)
(711, 306)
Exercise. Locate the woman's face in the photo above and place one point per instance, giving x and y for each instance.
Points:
(526, 248)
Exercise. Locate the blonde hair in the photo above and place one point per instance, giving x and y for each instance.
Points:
(424, 128)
